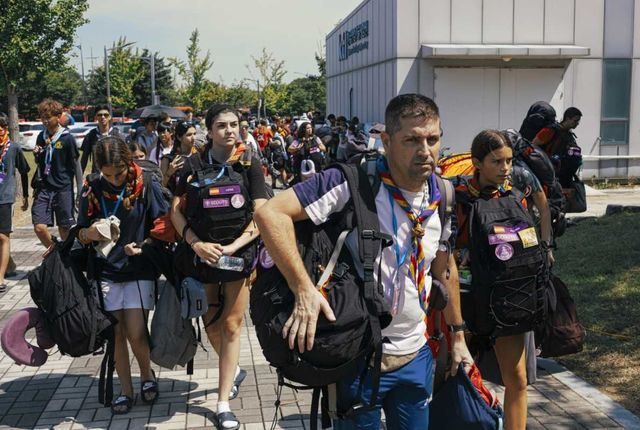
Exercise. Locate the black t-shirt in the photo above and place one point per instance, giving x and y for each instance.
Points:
(256, 185)
(134, 227)
(89, 143)
(64, 156)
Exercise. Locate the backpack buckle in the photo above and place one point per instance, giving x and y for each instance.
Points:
(368, 234)
(340, 270)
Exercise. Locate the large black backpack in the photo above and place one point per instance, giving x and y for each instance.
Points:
(508, 293)
(71, 303)
(357, 300)
(74, 309)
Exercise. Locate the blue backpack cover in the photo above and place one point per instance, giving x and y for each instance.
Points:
(458, 406)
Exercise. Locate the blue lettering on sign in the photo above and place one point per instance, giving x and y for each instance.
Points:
(351, 41)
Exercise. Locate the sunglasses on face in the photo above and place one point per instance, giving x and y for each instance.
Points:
(104, 115)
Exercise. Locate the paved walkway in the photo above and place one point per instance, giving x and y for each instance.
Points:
(62, 393)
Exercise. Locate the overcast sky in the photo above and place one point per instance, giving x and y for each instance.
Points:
(231, 30)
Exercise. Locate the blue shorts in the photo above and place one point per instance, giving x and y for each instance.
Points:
(46, 203)
(404, 396)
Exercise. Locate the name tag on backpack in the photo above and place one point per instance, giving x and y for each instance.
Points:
(224, 190)
(495, 239)
(528, 237)
(215, 203)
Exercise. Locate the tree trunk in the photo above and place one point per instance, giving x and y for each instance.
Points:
(12, 99)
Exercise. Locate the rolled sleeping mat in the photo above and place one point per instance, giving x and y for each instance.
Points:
(15, 344)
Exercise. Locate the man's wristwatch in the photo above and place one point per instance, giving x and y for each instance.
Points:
(457, 327)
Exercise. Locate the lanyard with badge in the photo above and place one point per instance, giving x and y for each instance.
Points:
(115, 207)
(401, 258)
(48, 155)
(3, 170)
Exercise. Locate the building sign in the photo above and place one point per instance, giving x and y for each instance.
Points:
(353, 41)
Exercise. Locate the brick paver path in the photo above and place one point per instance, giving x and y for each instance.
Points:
(62, 393)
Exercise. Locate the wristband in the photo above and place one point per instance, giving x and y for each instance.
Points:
(457, 327)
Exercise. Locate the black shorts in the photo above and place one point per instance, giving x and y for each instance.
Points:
(46, 203)
(6, 215)
(188, 265)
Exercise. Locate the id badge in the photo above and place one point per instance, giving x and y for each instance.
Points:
(2, 177)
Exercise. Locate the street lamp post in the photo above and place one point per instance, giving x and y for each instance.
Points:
(151, 59)
(106, 70)
(84, 83)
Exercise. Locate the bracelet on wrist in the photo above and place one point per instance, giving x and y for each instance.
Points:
(453, 328)
(194, 242)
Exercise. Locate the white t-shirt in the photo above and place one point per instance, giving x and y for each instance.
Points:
(327, 193)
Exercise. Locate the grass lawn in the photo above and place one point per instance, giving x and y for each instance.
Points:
(600, 262)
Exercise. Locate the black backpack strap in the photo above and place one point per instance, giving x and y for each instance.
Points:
(107, 367)
(370, 241)
(445, 208)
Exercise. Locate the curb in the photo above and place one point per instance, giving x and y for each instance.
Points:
(613, 409)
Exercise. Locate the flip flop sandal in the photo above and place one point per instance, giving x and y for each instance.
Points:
(12, 274)
(3, 288)
(224, 417)
(235, 389)
(148, 388)
(120, 401)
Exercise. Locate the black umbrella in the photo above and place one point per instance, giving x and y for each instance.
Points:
(156, 111)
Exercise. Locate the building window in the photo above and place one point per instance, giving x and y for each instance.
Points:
(616, 90)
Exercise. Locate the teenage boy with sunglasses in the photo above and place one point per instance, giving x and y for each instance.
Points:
(104, 128)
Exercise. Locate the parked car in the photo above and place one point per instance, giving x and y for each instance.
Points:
(79, 133)
(29, 132)
(83, 124)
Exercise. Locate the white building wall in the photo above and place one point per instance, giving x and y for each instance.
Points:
(634, 123)
(370, 73)
(550, 22)
(529, 21)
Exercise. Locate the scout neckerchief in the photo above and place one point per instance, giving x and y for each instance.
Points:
(418, 257)
(476, 191)
(130, 193)
(5, 143)
(50, 147)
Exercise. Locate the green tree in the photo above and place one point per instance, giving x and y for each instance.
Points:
(305, 94)
(63, 84)
(97, 86)
(125, 71)
(240, 95)
(35, 36)
(270, 73)
(164, 81)
(197, 87)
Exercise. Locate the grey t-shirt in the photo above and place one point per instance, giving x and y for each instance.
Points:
(12, 160)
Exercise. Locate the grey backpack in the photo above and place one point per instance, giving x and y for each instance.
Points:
(173, 339)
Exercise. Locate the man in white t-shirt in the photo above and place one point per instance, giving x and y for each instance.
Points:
(412, 144)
